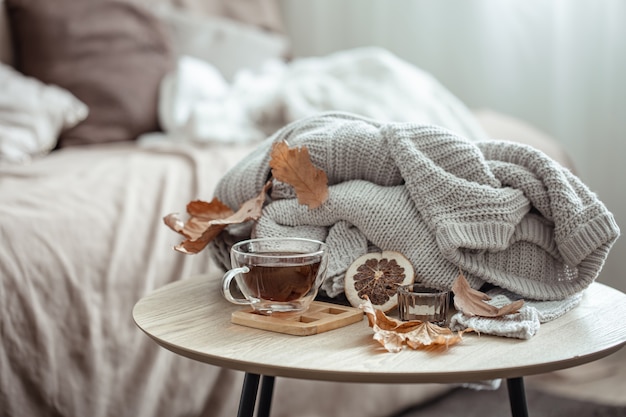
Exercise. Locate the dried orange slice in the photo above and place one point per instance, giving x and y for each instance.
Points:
(378, 276)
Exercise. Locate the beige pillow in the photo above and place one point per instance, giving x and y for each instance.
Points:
(32, 115)
(226, 44)
(111, 54)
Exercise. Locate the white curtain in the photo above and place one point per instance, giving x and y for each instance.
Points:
(557, 64)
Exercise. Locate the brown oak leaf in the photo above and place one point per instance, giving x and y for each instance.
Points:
(294, 167)
(473, 302)
(394, 334)
(207, 220)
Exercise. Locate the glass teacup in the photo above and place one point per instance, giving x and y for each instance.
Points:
(276, 275)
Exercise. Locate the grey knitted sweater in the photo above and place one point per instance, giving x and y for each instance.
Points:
(501, 212)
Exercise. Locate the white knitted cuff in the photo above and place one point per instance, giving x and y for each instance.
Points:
(550, 310)
(522, 325)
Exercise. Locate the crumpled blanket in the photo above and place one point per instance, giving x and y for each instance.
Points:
(501, 212)
(197, 104)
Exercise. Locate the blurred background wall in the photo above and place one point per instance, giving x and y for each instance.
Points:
(557, 64)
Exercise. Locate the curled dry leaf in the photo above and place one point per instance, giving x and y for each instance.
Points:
(207, 220)
(294, 167)
(200, 212)
(473, 302)
(394, 334)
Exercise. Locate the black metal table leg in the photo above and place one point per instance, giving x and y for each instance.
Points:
(517, 397)
(248, 395)
(265, 401)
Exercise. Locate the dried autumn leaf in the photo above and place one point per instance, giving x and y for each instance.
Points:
(473, 302)
(174, 222)
(209, 211)
(207, 220)
(394, 334)
(201, 213)
(294, 167)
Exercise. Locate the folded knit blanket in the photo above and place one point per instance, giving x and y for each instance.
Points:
(501, 212)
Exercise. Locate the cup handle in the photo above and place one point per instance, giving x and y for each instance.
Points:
(227, 278)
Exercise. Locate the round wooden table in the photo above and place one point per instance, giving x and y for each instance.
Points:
(191, 318)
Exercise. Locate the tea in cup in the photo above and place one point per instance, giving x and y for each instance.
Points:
(276, 275)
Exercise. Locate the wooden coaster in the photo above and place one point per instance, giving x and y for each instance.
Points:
(320, 317)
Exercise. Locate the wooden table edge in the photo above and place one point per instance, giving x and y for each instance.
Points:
(390, 377)
(453, 376)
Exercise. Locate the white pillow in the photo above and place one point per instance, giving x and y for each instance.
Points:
(32, 115)
(227, 44)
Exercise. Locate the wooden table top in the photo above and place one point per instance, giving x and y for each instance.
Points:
(191, 318)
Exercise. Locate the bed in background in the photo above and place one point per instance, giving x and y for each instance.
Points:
(81, 228)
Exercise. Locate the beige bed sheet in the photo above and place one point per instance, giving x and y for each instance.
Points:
(82, 240)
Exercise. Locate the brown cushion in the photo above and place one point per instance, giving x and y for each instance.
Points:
(110, 54)
(6, 47)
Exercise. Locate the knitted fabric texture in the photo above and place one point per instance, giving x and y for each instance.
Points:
(501, 212)
(523, 325)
